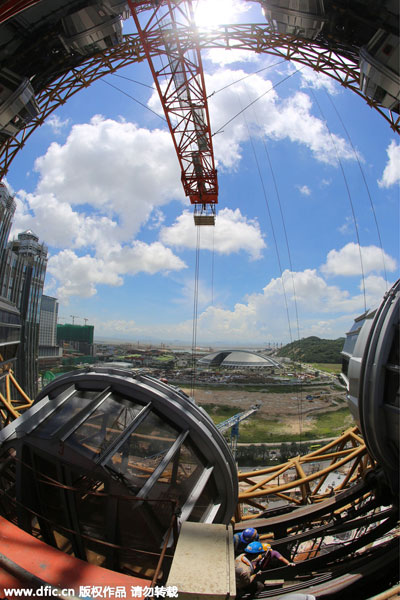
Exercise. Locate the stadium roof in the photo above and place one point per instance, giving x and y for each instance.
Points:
(237, 358)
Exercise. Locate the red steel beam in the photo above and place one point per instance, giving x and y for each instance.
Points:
(10, 8)
(181, 88)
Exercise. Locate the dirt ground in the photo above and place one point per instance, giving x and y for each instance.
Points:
(285, 406)
(272, 404)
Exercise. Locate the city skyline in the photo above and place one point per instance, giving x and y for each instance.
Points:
(99, 183)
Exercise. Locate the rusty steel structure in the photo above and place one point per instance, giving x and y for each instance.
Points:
(258, 38)
(14, 401)
(290, 482)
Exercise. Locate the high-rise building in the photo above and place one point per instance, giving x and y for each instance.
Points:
(77, 337)
(24, 263)
(7, 210)
(10, 320)
(10, 328)
(50, 352)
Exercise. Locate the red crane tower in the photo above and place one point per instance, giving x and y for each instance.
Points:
(180, 85)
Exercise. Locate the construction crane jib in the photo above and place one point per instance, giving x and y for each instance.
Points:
(179, 81)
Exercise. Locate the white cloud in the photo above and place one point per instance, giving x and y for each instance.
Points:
(118, 169)
(272, 117)
(347, 227)
(146, 258)
(275, 118)
(80, 275)
(346, 261)
(326, 311)
(60, 225)
(56, 124)
(313, 79)
(375, 287)
(223, 57)
(94, 194)
(232, 233)
(304, 190)
(391, 174)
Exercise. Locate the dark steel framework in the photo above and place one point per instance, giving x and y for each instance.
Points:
(258, 38)
(330, 544)
(106, 465)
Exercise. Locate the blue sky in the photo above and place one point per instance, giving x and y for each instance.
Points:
(100, 184)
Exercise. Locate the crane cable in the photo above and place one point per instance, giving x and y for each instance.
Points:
(366, 186)
(349, 197)
(257, 99)
(134, 99)
(271, 222)
(246, 77)
(195, 313)
(300, 396)
(212, 266)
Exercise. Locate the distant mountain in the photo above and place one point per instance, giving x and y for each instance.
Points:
(314, 350)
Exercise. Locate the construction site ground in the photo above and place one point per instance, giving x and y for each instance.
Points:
(281, 411)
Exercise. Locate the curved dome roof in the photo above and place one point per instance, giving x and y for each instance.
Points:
(237, 358)
(110, 459)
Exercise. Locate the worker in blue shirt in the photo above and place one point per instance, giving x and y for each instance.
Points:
(243, 539)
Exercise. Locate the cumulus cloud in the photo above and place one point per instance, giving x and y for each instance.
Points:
(274, 118)
(94, 194)
(80, 275)
(232, 233)
(391, 174)
(313, 79)
(117, 168)
(346, 261)
(60, 225)
(324, 310)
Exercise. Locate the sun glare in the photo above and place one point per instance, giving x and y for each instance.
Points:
(211, 13)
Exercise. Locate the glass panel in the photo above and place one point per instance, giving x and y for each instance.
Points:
(143, 451)
(177, 481)
(91, 512)
(208, 498)
(139, 528)
(7, 484)
(71, 407)
(51, 503)
(102, 427)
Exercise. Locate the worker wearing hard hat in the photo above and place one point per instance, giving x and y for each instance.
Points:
(271, 556)
(243, 539)
(246, 568)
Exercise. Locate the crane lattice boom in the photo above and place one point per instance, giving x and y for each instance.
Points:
(237, 418)
(180, 84)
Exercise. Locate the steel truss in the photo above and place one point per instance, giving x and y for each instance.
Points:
(257, 38)
(14, 401)
(181, 88)
(289, 481)
(333, 544)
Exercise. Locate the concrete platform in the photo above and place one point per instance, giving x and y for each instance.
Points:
(204, 565)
